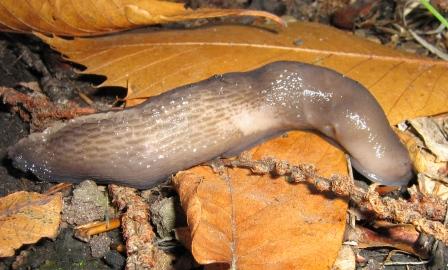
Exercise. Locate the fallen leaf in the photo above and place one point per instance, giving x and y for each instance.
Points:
(287, 225)
(402, 237)
(259, 222)
(149, 63)
(423, 160)
(26, 217)
(428, 151)
(433, 135)
(432, 187)
(346, 259)
(87, 17)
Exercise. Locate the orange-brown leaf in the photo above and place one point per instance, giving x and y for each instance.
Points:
(152, 62)
(26, 217)
(259, 222)
(402, 237)
(285, 226)
(94, 17)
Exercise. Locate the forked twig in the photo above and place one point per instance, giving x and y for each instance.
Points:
(425, 213)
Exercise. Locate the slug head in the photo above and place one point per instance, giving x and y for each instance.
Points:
(396, 170)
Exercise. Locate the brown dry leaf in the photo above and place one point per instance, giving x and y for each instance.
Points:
(94, 17)
(149, 63)
(26, 217)
(428, 151)
(401, 237)
(250, 221)
(258, 222)
(433, 135)
(346, 259)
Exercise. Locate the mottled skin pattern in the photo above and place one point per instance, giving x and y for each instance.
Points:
(223, 115)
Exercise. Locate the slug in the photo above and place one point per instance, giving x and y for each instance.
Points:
(220, 116)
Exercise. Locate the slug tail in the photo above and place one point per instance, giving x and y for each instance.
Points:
(26, 154)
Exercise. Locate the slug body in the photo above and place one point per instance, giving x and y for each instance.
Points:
(222, 115)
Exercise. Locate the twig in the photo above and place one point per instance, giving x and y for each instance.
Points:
(140, 238)
(38, 110)
(406, 263)
(86, 231)
(58, 188)
(425, 213)
(428, 45)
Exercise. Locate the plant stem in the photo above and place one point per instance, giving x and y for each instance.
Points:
(434, 12)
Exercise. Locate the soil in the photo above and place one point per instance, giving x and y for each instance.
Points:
(65, 252)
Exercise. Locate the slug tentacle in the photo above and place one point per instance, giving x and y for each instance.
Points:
(222, 115)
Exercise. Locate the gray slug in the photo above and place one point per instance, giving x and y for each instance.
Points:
(220, 116)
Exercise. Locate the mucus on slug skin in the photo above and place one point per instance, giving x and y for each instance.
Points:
(224, 114)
